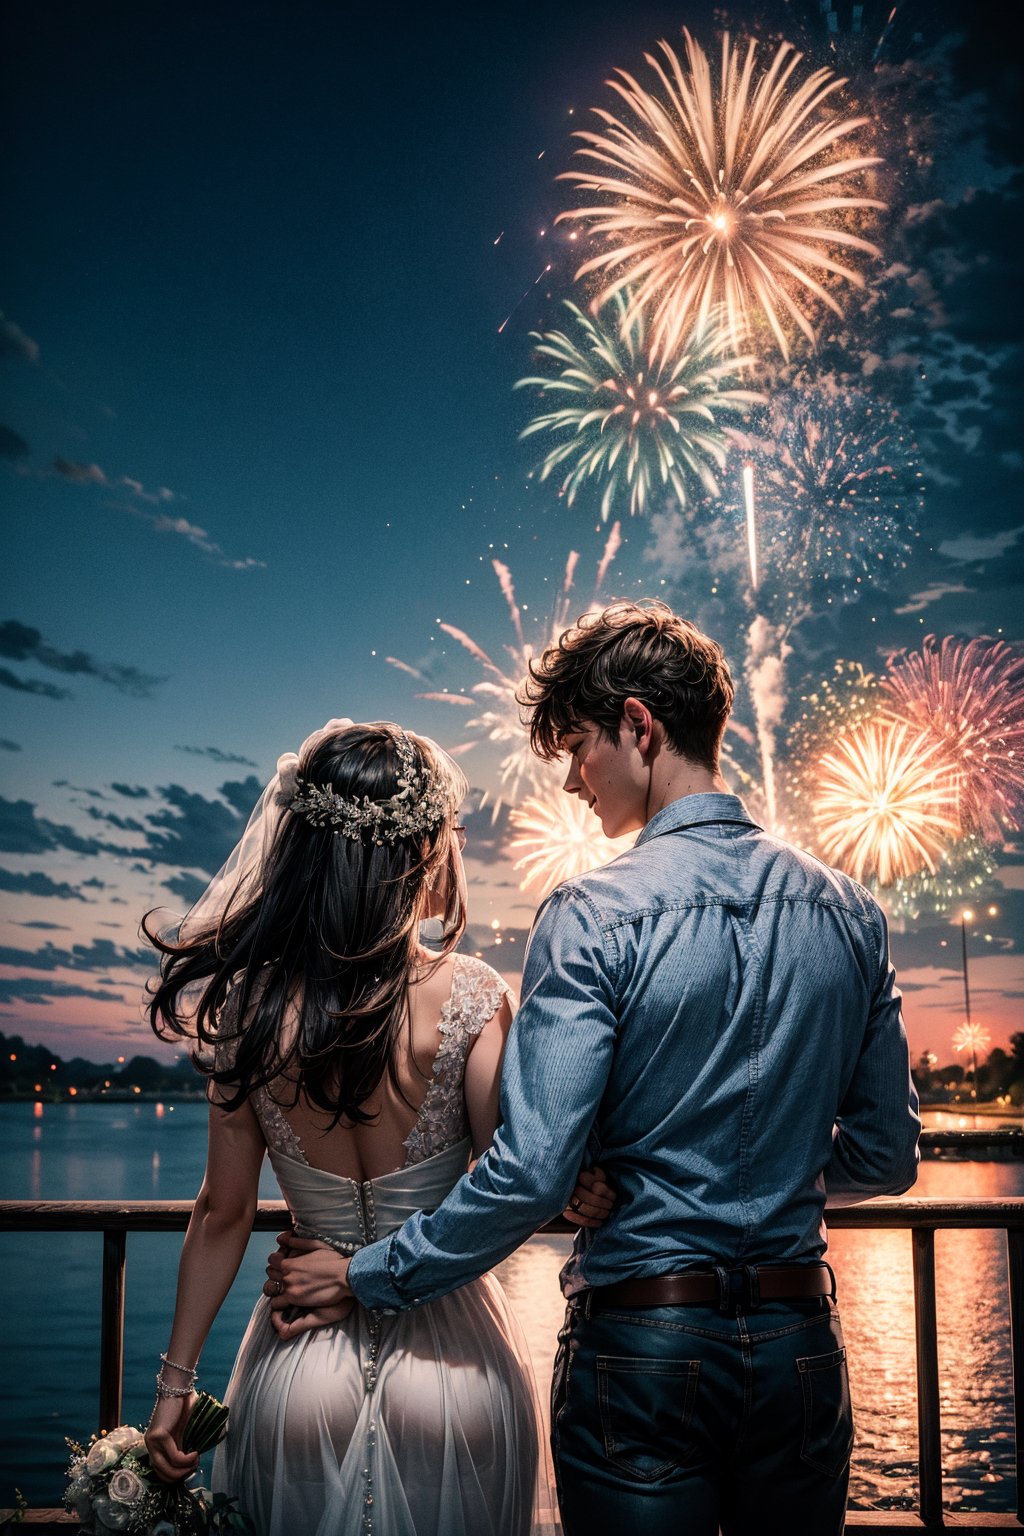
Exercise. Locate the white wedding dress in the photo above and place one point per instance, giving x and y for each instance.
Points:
(423, 1423)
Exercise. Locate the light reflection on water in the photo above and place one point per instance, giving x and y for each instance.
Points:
(127, 1151)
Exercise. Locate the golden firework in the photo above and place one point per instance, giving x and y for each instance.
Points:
(736, 192)
(558, 838)
(887, 802)
(971, 1037)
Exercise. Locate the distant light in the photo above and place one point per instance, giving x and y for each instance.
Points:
(73, 1092)
(136, 1090)
(121, 1060)
(992, 912)
(39, 1087)
(14, 1055)
(53, 1066)
(495, 923)
(967, 915)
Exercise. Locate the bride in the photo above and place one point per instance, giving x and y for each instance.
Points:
(367, 1067)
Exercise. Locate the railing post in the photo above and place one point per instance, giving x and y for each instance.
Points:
(112, 1327)
(1015, 1270)
(929, 1433)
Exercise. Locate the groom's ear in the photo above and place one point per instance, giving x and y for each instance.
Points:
(640, 722)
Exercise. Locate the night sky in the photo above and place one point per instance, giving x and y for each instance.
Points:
(259, 430)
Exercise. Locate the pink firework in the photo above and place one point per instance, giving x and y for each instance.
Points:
(970, 695)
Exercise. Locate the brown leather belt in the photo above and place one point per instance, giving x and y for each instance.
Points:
(763, 1282)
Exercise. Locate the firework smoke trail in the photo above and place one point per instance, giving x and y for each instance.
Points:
(970, 695)
(887, 802)
(557, 838)
(729, 191)
(633, 420)
(767, 652)
(499, 720)
(748, 500)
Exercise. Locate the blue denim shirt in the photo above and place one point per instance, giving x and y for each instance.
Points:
(713, 1017)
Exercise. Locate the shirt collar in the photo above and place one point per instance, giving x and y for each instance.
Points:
(696, 811)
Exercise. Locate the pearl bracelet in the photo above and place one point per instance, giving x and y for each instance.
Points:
(189, 1370)
(162, 1390)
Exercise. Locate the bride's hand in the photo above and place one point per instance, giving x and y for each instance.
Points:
(164, 1435)
(592, 1199)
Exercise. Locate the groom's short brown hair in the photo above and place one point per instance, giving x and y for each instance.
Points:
(641, 650)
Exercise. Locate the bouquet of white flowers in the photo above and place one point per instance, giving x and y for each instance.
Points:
(112, 1487)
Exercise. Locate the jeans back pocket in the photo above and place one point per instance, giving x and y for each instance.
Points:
(828, 1412)
(645, 1408)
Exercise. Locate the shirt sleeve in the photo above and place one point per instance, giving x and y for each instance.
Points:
(875, 1137)
(556, 1066)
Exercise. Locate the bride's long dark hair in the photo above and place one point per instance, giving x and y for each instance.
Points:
(333, 926)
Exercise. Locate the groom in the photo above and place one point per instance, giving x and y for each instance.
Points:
(713, 1018)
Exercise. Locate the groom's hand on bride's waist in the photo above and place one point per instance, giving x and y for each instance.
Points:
(311, 1277)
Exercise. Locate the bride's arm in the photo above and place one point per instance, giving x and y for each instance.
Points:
(214, 1244)
(482, 1081)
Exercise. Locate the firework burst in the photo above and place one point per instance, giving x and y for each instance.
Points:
(970, 695)
(965, 868)
(630, 419)
(737, 191)
(971, 1037)
(557, 838)
(886, 802)
(839, 493)
(494, 714)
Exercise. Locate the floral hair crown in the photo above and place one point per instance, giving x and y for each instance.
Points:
(419, 805)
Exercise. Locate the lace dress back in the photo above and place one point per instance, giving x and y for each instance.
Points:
(424, 1423)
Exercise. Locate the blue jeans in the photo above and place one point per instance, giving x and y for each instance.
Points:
(682, 1419)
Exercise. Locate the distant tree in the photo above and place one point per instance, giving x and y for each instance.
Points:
(995, 1075)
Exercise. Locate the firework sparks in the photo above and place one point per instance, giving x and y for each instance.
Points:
(965, 868)
(840, 492)
(971, 1037)
(970, 695)
(732, 191)
(748, 501)
(497, 716)
(886, 802)
(630, 420)
(558, 838)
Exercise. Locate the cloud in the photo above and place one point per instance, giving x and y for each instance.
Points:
(216, 755)
(12, 444)
(39, 989)
(22, 831)
(9, 746)
(131, 791)
(50, 927)
(188, 887)
(14, 342)
(99, 955)
(201, 540)
(37, 884)
(931, 594)
(196, 833)
(969, 547)
(162, 493)
(21, 642)
(8, 679)
(79, 474)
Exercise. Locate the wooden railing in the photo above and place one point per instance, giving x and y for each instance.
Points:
(923, 1217)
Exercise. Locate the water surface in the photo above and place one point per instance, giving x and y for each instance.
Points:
(49, 1346)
